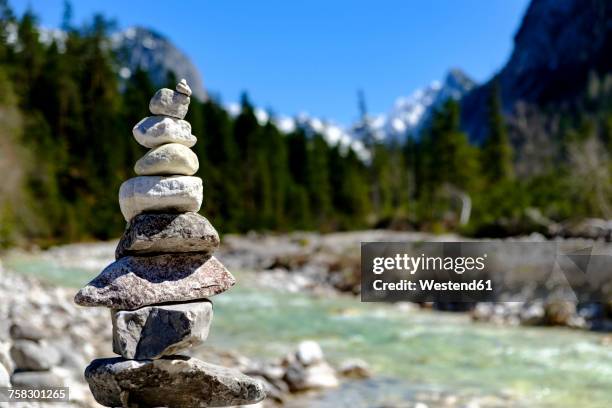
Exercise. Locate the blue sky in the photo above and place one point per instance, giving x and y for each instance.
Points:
(312, 56)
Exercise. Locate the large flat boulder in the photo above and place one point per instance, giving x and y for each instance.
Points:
(170, 382)
(160, 194)
(168, 233)
(154, 131)
(163, 330)
(134, 282)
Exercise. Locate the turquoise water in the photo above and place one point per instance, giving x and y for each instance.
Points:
(410, 351)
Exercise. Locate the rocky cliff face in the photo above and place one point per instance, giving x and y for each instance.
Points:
(151, 51)
(558, 45)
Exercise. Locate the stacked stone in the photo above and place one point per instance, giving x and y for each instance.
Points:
(158, 287)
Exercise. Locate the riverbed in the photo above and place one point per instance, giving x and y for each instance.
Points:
(416, 355)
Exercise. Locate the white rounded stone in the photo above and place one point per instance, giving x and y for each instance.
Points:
(183, 88)
(157, 193)
(171, 158)
(170, 103)
(155, 131)
(309, 352)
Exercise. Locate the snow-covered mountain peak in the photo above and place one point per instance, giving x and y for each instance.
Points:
(410, 113)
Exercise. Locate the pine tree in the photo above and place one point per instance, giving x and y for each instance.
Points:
(381, 181)
(277, 158)
(497, 151)
(6, 18)
(300, 211)
(451, 158)
(349, 189)
(29, 59)
(136, 95)
(318, 179)
(221, 172)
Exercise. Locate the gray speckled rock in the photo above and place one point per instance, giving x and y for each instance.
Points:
(168, 233)
(163, 330)
(155, 131)
(161, 194)
(29, 355)
(171, 158)
(170, 103)
(133, 282)
(173, 383)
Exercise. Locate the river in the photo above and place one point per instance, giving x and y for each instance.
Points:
(415, 354)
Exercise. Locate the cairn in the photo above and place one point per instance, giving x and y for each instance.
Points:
(158, 287)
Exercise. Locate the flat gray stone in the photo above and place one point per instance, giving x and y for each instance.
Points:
(155, 131)
(168, 159)
(29, 355)
(163, 330)
(168, 233)
(133, 282)
(160, 194)
(170, 103)
(173, 383)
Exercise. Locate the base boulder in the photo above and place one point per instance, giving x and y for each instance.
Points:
(179, 382)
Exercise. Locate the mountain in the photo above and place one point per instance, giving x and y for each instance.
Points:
(410, 114)
(558, 45)
(156, 54)
(138, 47)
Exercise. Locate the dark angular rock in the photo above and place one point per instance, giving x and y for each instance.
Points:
(155, 331)
(133, 282)
(168, 233)
(179, 382)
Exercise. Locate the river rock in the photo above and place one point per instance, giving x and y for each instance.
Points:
(355, 368)
(5, 379)
(26, 331)
(559, 313)
(155, 331)
(170, 103)
(155, 131)
(183, 88)
(5, 356)
(171, 158)
(133, 282)
(168, 233)
(309, 352)
(29, 355)
(37, 379)
(316, 376)
(161, 194)
(180, 382)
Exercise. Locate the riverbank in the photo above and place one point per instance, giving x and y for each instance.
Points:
(417, 356)
(326, 263)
